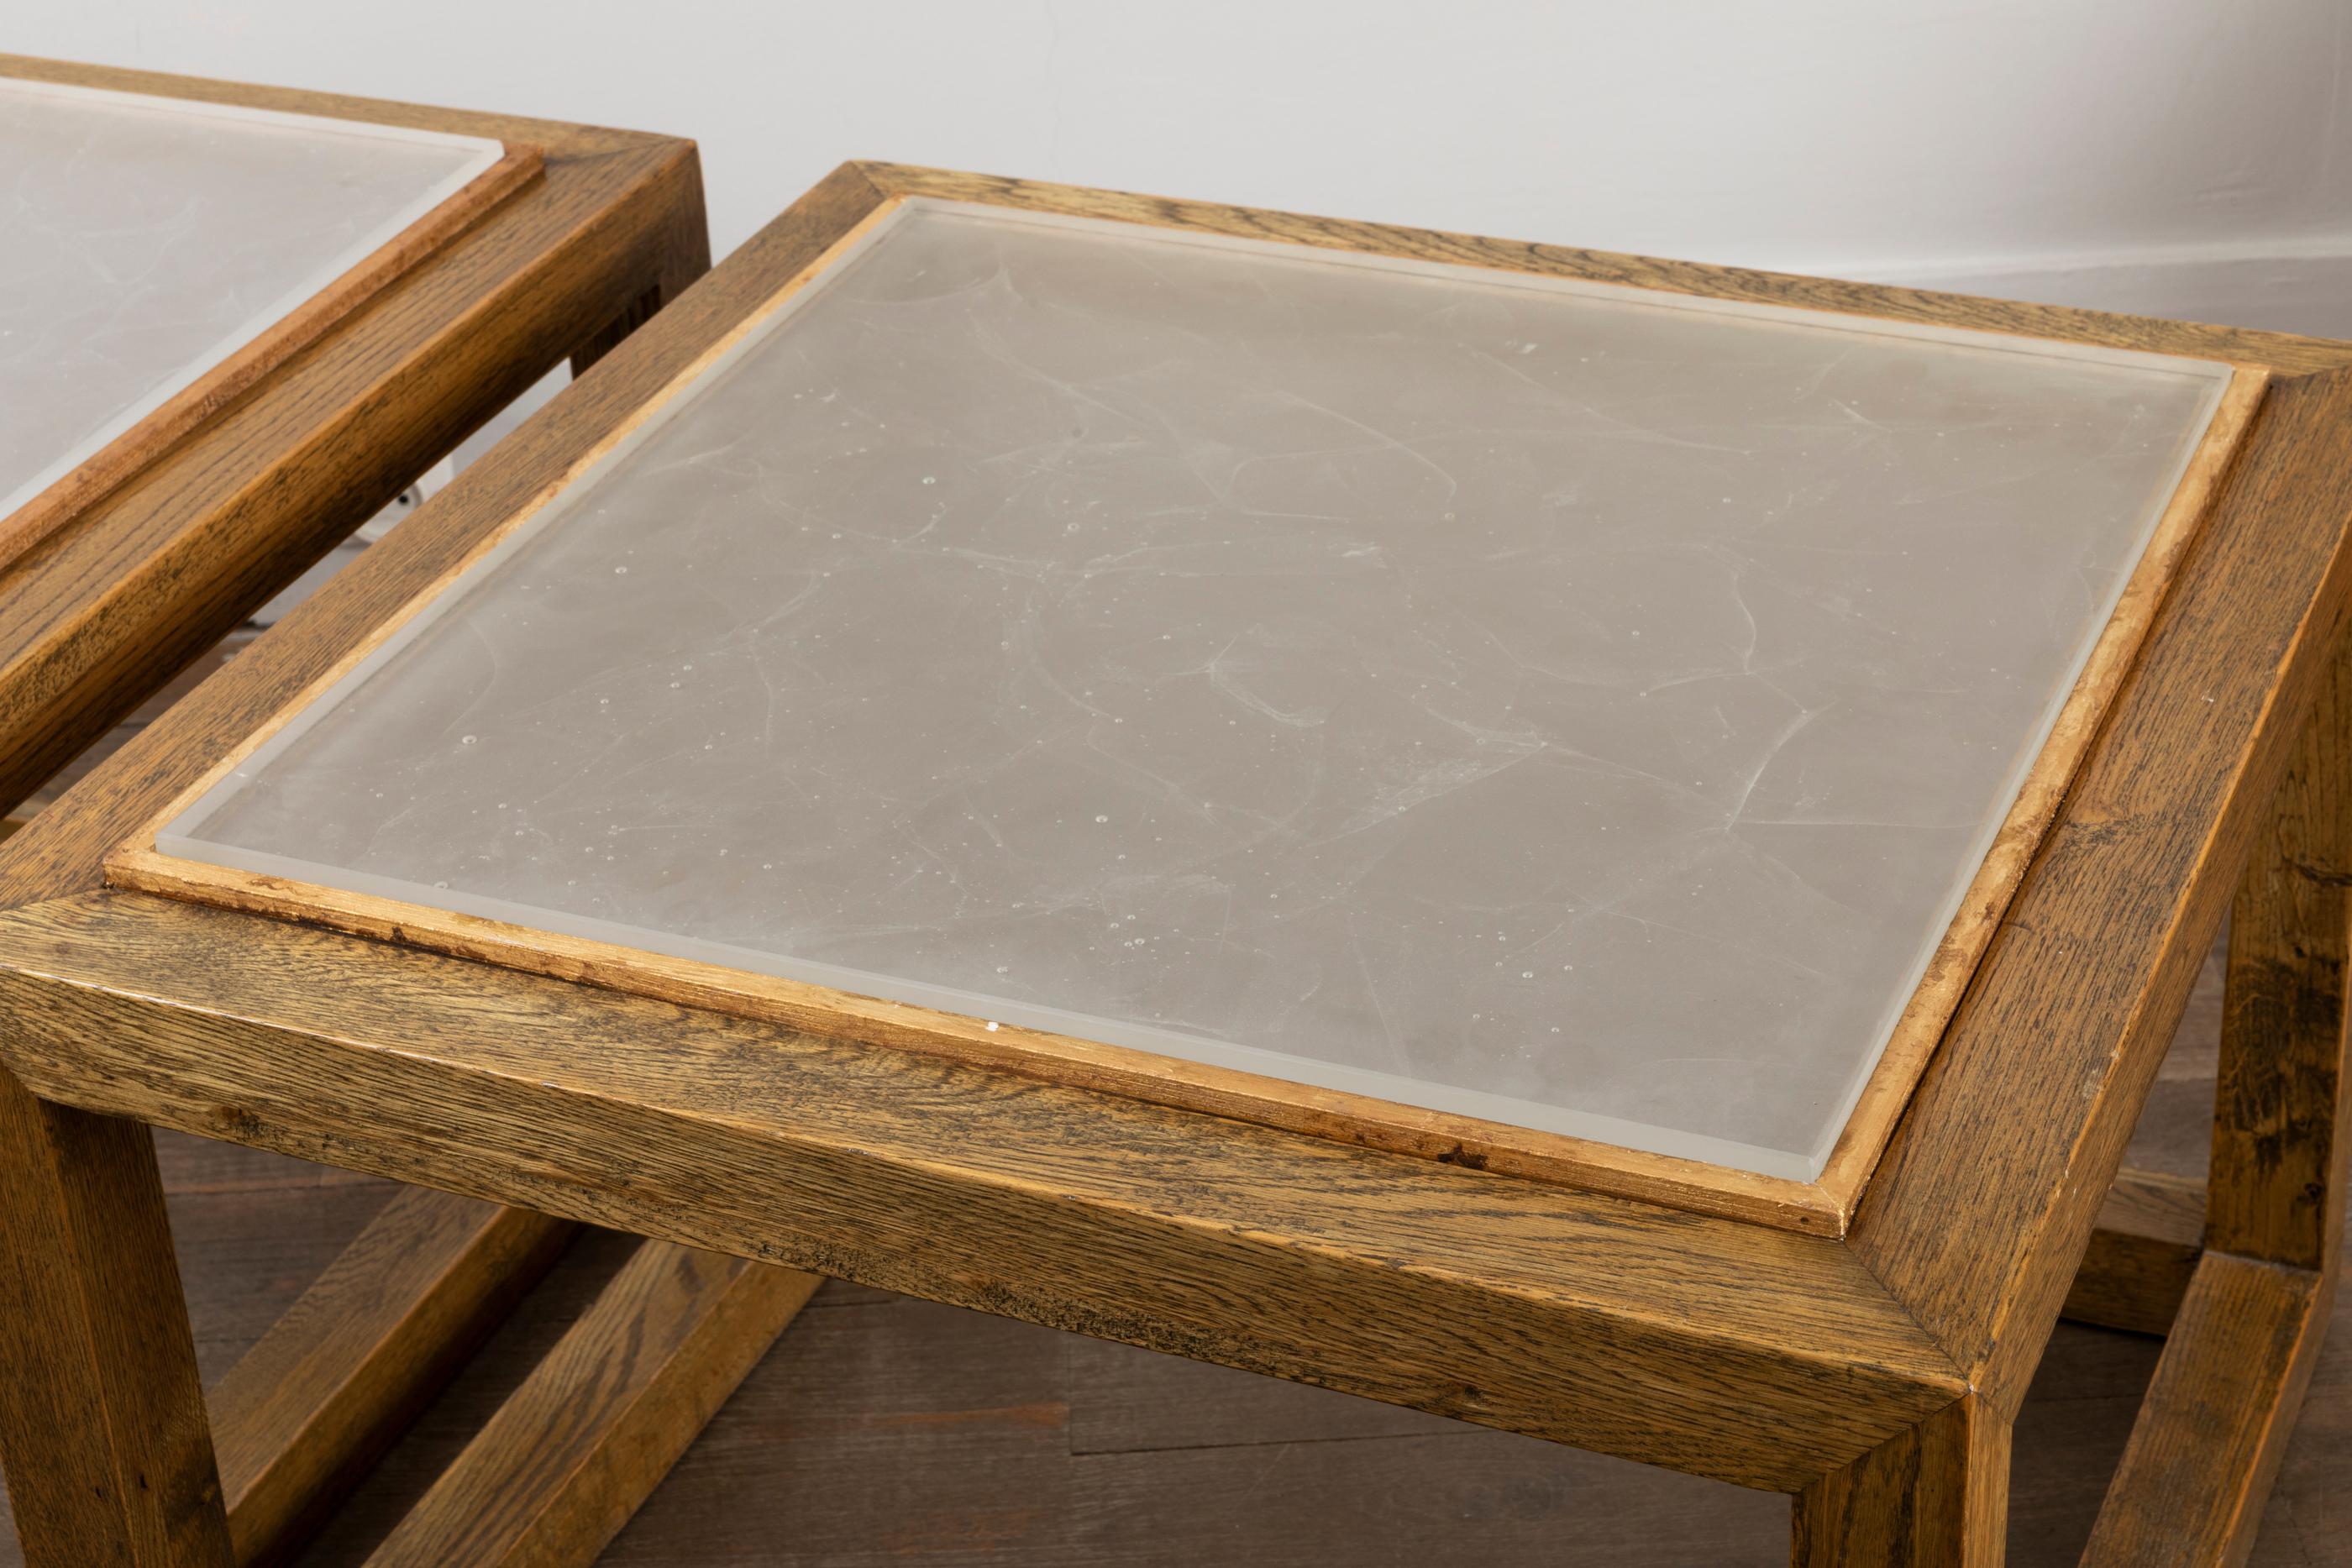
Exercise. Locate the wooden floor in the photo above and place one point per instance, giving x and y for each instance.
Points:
(882, 1428)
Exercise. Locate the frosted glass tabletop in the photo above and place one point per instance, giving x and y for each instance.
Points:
(1570, 705)
(145, 240)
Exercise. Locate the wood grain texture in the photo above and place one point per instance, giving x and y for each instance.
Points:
(164, 564)
(333, 1383)
(2019, 1125)
(608, 337)
(2151, 1231)
(559, 1469)
(1820, 1207)
(968, 1436)
(2190, 1488)
(2208, 1442)
(947, 1427)
(2282, 1106)
(1934, 1496)
(101, 1419)
(191, 676)
(1734, 1350)
(151, 440)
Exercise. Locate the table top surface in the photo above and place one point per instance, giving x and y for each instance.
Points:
(151, 238)
(1578, 707)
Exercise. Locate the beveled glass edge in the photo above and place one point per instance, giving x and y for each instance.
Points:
(176, 839)
(487, 153)
(1811, 317)
(2193, 440)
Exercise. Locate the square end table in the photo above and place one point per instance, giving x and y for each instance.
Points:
(1595, 845)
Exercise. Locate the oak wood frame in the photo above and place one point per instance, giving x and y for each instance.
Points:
(1873, 1375)
(114, 579)
(1824, 1204)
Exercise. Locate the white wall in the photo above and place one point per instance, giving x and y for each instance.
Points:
(2184, 154)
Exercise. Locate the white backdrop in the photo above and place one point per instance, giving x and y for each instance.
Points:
(2184, 155)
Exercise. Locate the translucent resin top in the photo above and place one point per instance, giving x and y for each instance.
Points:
(1576, 707)
(145, 240)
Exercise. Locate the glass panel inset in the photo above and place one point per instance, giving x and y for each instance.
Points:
(1576, 707)
(145, 240)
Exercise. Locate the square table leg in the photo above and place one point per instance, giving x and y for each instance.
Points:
(1936, 1496)
(102, 1429)
(2239, 1354)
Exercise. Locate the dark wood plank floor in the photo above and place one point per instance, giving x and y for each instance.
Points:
(884, 1429)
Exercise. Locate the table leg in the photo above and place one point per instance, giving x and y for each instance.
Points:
(2275, 1190)
(1934, 1497)
(2207, 1441)
(102, 1431)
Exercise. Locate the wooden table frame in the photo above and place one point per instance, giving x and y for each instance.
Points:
(180, 530)
(1873, 1374)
